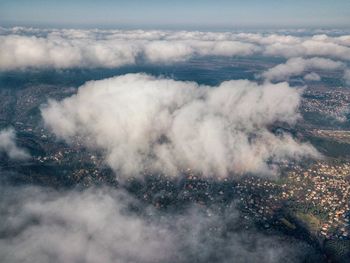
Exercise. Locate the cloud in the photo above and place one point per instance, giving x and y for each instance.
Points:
(143, 123)
(312, 77)
(176, 50)
(314, 46)
(31, 51)
(84, 49)
(48, 226)
(296, 66)
(9, 147)
(347, 76)
(22, 48)
(97, 225)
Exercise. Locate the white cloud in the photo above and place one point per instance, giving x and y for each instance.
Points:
(67, 48)
(9, 147)
(42, 225)
(309, 47)
(31, 51)
(296, 66)
(312, 77)
(145, 123)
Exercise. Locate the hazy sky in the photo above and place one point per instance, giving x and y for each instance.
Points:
(176, 14)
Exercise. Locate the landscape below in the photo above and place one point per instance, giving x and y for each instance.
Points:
(307, 200)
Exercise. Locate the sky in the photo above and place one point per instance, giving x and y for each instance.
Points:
(176, 14)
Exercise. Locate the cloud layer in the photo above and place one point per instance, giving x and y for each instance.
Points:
(96, 225)
(85, 49)
(9, 147)
(143, 123)
(39, 48)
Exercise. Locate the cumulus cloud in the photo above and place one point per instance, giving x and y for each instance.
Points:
(314, 46)
(143, 123)
(9, 147)
(296, 66)
(312, 77)
(54, 51)
(96, 225)
(67, 48)
(81, 49)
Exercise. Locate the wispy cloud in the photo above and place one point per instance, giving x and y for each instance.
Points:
(96, 225)
(9, 147)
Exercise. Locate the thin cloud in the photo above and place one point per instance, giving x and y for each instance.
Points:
(9, 147)
(96, 225)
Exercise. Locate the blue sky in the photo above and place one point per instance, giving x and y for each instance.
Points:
(176, 14)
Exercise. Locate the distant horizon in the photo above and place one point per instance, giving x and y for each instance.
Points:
(156, 14)
(172, 27)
